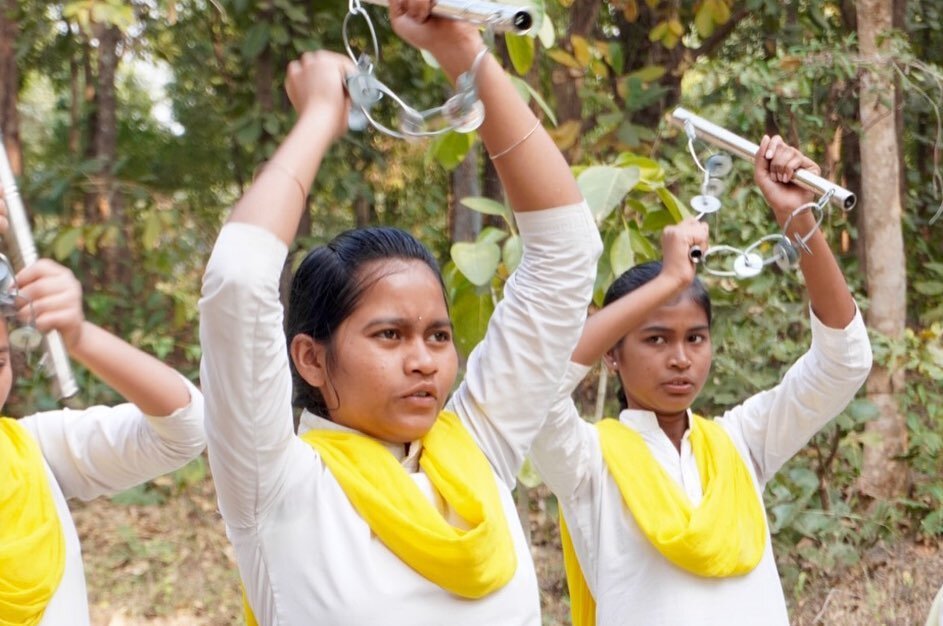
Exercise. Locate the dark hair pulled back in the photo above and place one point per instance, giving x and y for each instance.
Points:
(635, 277)
(329, 284)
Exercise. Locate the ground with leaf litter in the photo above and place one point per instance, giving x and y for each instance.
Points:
(159, 557)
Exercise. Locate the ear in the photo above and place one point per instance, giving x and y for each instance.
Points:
(611, 362)
(310, 359)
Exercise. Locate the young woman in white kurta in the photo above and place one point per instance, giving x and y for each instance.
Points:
(99, 450)
(304, 553)
(630, 580)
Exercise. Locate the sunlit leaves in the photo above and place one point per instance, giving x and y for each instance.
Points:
(521, 51)
(604, 187)
(477, 261)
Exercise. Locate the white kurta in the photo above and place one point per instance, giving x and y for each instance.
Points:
(304, 553)
(103, 450)
(631, 581)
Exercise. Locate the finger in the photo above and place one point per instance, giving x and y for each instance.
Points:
(54, 304)
(43, 268)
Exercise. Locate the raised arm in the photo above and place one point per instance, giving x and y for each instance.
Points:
(245, 371)
(534, 173)
(315, 86)
(773, 170)
(106, 449)
(56, 298)
(607, 326)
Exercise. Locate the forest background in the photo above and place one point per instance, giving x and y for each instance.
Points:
(135, 125)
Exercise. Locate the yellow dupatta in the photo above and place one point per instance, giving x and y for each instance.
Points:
(469, 563)
(724, 536)
(32, 546)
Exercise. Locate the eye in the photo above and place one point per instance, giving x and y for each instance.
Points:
(441, 336)
(388, 333)
(655, 340)
(697, 338)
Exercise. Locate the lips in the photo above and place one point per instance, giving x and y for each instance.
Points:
(425, 392)
(679, 385)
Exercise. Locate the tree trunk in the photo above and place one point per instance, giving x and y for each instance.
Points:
(882, 475)
(464, 224)
(108, 206)
(9, 85)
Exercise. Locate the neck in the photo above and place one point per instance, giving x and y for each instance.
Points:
(674, 426)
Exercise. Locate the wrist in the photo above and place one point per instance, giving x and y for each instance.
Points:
(457, 57)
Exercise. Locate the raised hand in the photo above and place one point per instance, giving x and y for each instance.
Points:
(774, 168)
(315, 86)
(676, 243)
(55, 299)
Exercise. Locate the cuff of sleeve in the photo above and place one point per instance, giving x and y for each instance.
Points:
(849, 344)
(573, 218)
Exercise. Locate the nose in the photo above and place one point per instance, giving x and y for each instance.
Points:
(420, 359)
(679, 358)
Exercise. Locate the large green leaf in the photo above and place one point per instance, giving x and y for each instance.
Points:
(477, 261)
(513, 251)
(604, 187)
(451, 148)
(486, 206)
(255, 41)
(621, 256)
(521, 51)
(471, 311)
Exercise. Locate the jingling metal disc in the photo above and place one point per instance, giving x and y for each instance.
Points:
(714, 187)
(464, 116)
(719, 164)
(705, 204)
(787, 257)
(25, 338)
(748, 265)
(363, 90)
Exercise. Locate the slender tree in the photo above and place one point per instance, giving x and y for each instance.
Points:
(884, 474)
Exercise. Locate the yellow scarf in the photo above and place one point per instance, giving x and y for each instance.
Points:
(32, 546)
(724, 536)
(469, 563)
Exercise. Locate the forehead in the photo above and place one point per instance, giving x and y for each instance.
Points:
(681, 313)
(402, 286)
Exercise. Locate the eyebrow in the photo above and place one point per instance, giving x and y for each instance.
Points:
(665, 329)
(403, 321)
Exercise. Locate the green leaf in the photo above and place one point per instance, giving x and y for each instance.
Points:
(471, 312)
(486, 206)
(477, 261)
(929, 287)
(152, 230)
(66, 242)
(521, 51)
(621, 257)
(451, 148)
(523, 86)
(604, 187)
(249, 134)
(490, 234)
(674, 206)
(513, 251)
(649, 73)
(704, 21)
(255, 41)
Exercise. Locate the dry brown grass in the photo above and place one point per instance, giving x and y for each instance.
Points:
(170, 565)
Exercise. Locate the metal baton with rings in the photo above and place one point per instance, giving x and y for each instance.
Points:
(501, 18)
(20, 245)
(462, 112)
(748, 263)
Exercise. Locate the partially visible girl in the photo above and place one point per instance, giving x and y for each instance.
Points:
(663, 510)
(50, 457)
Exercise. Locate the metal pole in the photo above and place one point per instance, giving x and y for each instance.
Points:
(504, 18)
(728, 141)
